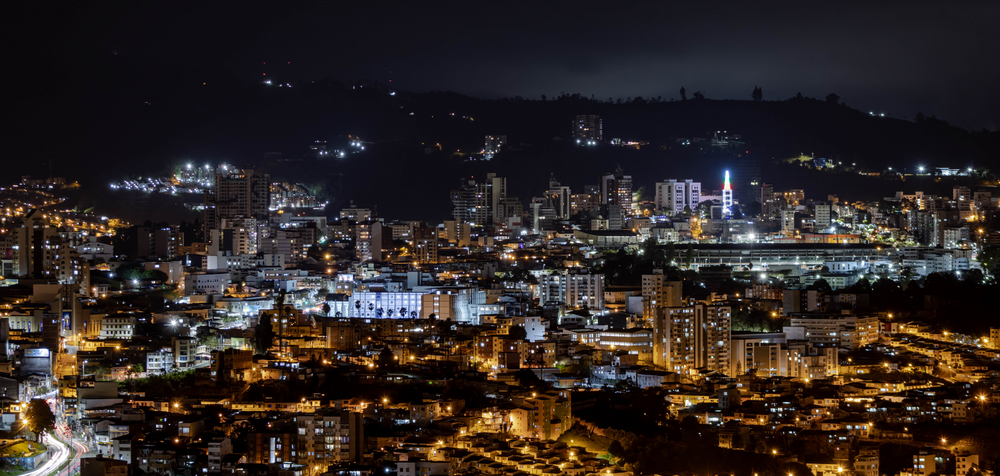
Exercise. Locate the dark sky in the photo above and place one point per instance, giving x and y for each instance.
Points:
(937, 57)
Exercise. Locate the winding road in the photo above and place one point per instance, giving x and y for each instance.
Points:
(61, 453)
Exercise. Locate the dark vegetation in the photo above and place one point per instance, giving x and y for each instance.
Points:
(239, 122)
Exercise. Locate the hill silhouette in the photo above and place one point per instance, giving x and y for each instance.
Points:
(418, 142)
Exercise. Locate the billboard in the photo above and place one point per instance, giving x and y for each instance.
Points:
(36, 352)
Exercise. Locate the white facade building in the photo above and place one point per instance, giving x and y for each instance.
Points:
(159, 362)
(575, 290)
(672, 196)
(207, 283)
(117, 327)
(384, 305)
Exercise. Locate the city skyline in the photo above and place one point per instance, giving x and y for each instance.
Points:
(325, 239)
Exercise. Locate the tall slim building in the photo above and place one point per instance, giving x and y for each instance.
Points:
(588, 127)
(498, 195)
(727, 198)
(672, 196)
(479, 204)
(658, 292)
(768, 205)
(821, 213)
(237, 193)
(694, 337)
(37, 242)
(616, 193)
(463, 201)
(425, 242)
(560, 197)
(748, 183)
(788, 222)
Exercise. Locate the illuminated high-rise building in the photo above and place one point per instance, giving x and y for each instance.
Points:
(493, 145)
(616, 193)
(588, 128)
(727, 198)
(238, 194)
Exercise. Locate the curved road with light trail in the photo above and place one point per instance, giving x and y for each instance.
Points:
(61, 455)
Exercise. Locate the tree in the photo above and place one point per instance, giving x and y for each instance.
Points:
(822, 285)
(526, 378)
(989, 258)
(689, 257)
(326, 309)
(39, 417)
(832, 98)
(616, 450)
(698, 95)
(517, 333)
(263, 334)
(157, 276)
(683, 94)
(757, 94)
(385, 358)
(863, 285)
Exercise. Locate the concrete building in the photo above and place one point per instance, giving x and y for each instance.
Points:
(493, 146)
(237, 193)
(206, 283)
(330, 436)
(271, 447)
(616, 194)
(101, 466)
(574, 289)
(37, 242)
(217, 449)
(559, 196)
(822, 218)
(93, 249)
(587, 127)
(658, 292)
(693, 337)
(388, 305)
(185, 352)
(924, 463)
(458, 232)
(160, 361)
(117, 327)
(673, 196)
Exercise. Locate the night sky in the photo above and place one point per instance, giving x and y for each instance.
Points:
(940, 58)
